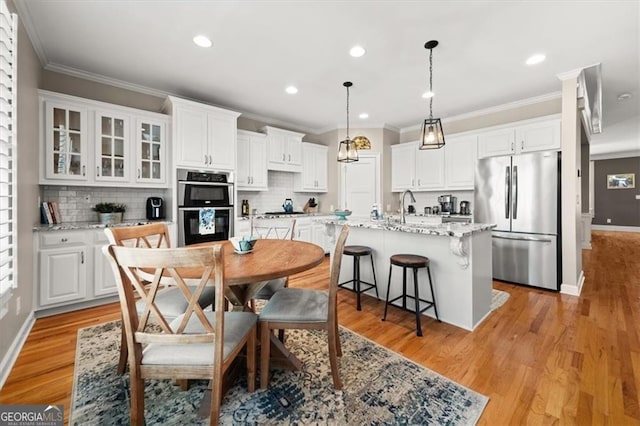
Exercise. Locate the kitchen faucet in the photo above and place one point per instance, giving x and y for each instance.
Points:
(413, 200)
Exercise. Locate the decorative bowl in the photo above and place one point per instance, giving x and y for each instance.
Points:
(243, 244)
(342, 214)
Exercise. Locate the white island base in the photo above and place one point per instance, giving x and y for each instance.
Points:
(460, 262)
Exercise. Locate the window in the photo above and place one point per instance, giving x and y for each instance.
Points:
(8, 45)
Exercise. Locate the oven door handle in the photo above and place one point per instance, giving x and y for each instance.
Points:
(193, 209)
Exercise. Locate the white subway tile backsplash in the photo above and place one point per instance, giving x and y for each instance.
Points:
(280, 188)
(74, 207)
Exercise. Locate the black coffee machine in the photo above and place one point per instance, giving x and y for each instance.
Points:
(155, 208)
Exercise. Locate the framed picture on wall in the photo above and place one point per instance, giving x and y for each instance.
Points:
(621, 181)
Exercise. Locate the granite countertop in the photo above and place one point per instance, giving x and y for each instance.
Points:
(91, 225)
(444, 229)
(282, 216)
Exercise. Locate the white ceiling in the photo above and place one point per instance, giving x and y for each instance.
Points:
(260, 47)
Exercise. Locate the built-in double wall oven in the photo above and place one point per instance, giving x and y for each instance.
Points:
(205, 207)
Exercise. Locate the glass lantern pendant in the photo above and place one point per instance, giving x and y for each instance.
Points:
(347, 152)
(432, 134)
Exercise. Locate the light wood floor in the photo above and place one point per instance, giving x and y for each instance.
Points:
(542, 358)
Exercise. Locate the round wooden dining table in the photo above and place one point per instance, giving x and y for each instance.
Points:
(246, 274)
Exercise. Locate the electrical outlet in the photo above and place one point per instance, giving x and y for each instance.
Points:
(637, 196)
(608, 220)
(18, 305)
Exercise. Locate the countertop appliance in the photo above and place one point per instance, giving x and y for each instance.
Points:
(521, 194)
(447, 203)
(155, 208)
(465, 208)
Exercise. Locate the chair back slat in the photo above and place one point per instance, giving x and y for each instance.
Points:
(336, 263)
(273, 230)
(152, 235)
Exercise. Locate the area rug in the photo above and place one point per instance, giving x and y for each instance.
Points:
(379, 387)
(498, 298)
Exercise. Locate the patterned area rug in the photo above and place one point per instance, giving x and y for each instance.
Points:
(379, 387)
(498, 298)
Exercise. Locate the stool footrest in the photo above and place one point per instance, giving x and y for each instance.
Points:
(429, 303)
(368, 286)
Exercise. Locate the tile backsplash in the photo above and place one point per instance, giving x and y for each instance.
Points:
(76, 202)
(280, 188)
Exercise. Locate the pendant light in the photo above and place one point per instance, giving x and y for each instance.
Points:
(347, 152)
(432, 135)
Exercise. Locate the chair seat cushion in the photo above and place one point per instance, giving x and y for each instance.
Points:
(171, 302)
(296, 305)
(236, 327)
(270, 288)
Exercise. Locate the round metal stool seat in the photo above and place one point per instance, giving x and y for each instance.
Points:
(410, 260)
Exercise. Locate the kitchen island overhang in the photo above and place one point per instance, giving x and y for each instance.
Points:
(460, 262)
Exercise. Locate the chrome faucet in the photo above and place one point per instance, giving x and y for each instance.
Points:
(413, 200)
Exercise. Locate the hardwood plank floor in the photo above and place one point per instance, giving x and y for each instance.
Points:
(542, 358)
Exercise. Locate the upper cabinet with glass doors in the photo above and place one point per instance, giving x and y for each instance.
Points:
(86, 142)
(65, 141)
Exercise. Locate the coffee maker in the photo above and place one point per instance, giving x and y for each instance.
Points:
(465, 208)
(447, 204)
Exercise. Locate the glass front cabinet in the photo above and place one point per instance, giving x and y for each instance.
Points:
(66, 141)
(86, 142)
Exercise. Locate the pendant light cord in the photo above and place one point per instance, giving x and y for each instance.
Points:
(430, 83)
(347, 112)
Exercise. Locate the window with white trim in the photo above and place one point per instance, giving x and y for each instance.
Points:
(8, 230)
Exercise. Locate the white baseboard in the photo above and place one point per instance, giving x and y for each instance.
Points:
(573, 290)
(615, 228)
(14, 350)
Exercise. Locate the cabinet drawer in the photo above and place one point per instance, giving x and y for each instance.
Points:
(61, 238)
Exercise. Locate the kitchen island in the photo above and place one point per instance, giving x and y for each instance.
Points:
(460, 256)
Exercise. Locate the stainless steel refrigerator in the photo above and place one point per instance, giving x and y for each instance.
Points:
(520, 194)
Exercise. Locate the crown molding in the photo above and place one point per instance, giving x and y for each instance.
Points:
(24, 16)
(493, 109)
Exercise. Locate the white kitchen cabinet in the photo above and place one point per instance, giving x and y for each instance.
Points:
(112, 153)
(319, 236)
(303, 231)
(429, 169)
(62, 260)
(151, 151)
(415, 169)
(520, 137)
(313, 177)
(65, 145)
(204, 136)
(89, 143)
(252, 172)
(460, 161)
(104, 282)
(284, 152)
(403, 166)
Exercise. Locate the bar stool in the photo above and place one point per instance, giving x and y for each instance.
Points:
(414, 262)
(357, 252)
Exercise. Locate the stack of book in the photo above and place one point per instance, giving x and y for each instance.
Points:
(50, 213)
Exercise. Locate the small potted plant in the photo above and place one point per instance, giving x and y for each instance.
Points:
(110, 213)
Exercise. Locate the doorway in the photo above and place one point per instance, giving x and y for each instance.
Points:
(360, 184)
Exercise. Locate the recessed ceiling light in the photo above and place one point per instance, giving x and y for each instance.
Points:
(427, 94)
(364, 115)
(202, 41)
(292, 90)
(536, 59)
(357, 51)
(624, 96)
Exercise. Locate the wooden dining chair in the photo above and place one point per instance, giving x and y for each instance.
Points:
(169, 299)
(282, 233)
(197, 344)
(297, 308)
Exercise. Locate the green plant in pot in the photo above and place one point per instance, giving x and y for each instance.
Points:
(110, 213)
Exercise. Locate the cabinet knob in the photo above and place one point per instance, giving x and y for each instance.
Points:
(522, 145)
(205, 159)
(97, 170)
(84, 170)
(283, 156)
(289, 157)
(139, 174)
(64, 240)
(210, 160)
(82, 257)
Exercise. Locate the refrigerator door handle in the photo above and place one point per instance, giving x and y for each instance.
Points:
(514, 193)
(538, 240)
(507, 183)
